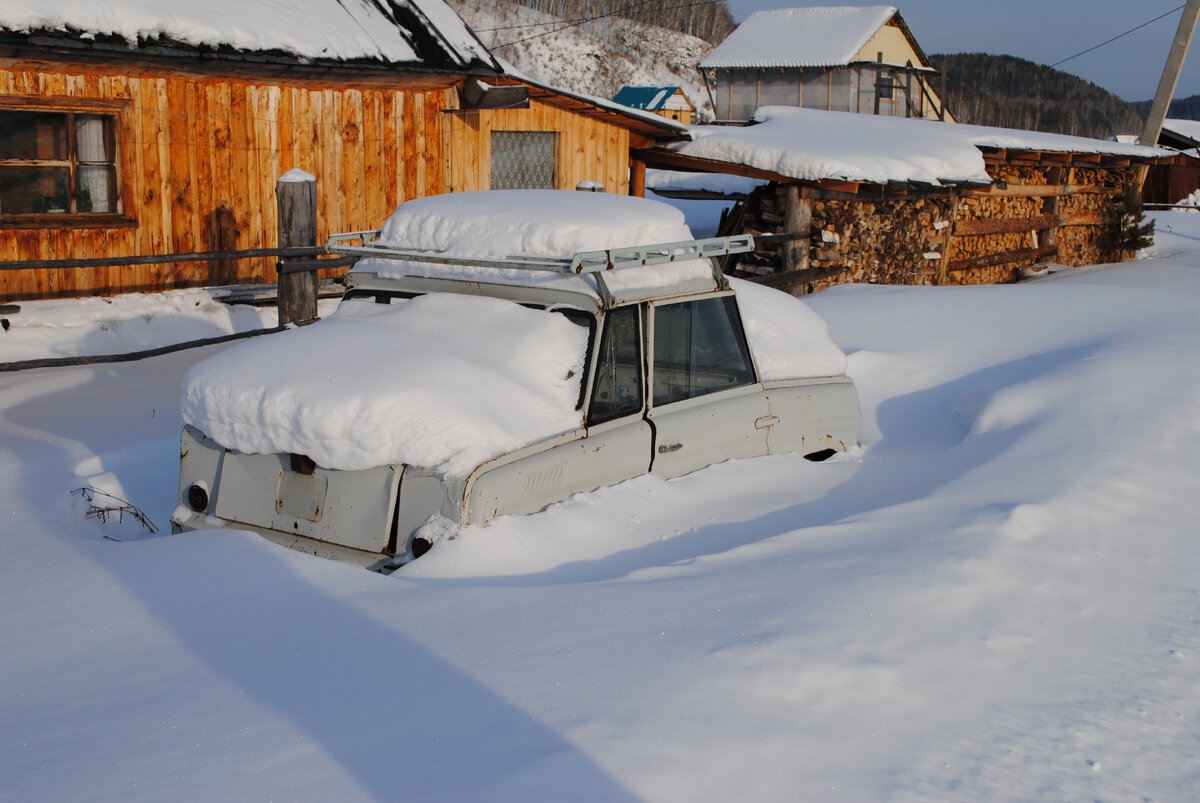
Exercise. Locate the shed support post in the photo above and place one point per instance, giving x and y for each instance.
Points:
(637, 178)
(296, 197)
(1056, 178)
(944, 262)
(797, 219)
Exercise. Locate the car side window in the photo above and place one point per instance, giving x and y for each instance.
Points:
(699, 348)
(617, 390)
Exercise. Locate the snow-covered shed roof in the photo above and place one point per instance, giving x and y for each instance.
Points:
(820, 36)
(422, 32)
(813, 145)
(1187, 132)
(649, 98)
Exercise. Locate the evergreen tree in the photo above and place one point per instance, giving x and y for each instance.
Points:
(1131, 232)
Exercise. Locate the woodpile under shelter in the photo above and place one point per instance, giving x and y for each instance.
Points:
(129, 131)
(835, 58)
(876, 200)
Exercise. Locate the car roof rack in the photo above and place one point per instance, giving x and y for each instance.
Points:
(594, 263)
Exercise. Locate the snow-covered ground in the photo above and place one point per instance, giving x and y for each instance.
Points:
(995, 598)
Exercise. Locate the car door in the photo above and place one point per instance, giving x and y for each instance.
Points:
(615, 445)
(706, 404)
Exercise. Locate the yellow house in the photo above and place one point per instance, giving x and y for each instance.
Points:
(840, 58)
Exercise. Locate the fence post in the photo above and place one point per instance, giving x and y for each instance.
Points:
(296, 196)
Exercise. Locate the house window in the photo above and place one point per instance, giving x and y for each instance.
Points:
(885, 88)
(523, 160)
(57, 163)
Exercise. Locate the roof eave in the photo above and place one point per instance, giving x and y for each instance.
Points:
(39, 47)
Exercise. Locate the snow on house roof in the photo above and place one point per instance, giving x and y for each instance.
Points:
(649, 98)
(821, 36)
(813, 145)
(394, 31)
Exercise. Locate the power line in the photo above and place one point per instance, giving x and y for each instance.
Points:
(556, 21)
(1118, 36)
(597, 17)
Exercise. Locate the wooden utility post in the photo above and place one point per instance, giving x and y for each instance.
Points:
(1170, 75)
(296, 196)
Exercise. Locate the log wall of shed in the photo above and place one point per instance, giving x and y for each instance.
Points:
(198, 161)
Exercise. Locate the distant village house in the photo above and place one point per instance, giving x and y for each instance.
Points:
(666, 101)
(834, 58)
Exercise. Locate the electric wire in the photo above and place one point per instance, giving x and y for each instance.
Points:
(1118, 36)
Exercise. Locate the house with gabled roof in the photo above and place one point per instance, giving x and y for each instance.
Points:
(130, 129)
(861, 59)
(666, 101)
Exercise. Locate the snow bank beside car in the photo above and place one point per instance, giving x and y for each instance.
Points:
(443, 381)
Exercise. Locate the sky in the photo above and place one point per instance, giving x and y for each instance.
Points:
(1046, 31)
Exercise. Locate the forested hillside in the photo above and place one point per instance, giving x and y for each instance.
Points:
(595, 56)
(1181, 108)
(1009, 92)
(709, 20)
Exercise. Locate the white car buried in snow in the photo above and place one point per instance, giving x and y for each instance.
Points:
(472, 371)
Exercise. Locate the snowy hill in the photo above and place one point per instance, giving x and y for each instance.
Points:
(594, 58)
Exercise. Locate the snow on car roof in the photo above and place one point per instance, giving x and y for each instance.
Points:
(441, 381)
(499, 224)
(788, 339)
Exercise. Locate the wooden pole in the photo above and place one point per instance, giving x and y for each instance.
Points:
(296, 196)
(1170, 74)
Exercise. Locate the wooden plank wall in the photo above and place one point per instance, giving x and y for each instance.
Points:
(588, 149)
(199, 161)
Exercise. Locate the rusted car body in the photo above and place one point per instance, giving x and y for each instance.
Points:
(670, 385)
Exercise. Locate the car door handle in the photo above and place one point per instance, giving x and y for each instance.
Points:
(673, 447)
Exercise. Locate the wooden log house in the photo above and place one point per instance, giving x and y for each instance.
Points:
(169, 140)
